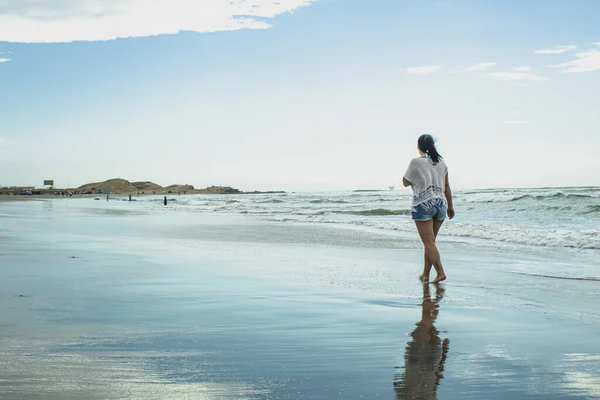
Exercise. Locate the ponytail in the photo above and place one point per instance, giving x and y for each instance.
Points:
(426, 144)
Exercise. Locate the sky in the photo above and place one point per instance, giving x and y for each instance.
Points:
(299, 95)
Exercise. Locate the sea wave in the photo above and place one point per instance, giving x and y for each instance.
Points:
(593, 209)
(558, 217)
(375, 212)
(571, 278)
(520, 197)
(508, 235)
(588, 239)
(325, 201)
(558, 195)
(539, 237)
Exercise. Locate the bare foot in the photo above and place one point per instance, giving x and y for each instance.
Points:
(424, 278)
(439, 278)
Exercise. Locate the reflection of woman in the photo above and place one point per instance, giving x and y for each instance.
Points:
(432, 200)
(425, 354)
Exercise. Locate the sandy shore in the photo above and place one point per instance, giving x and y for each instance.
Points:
(122, 303)
(84, 196)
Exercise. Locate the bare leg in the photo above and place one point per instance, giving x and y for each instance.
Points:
(424, 277)
(425, 229)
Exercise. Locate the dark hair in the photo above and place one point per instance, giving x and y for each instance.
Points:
(426, 144)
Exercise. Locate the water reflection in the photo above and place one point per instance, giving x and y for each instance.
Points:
(48, 205)
(425, 353)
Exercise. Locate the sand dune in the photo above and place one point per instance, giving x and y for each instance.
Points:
(123, 186)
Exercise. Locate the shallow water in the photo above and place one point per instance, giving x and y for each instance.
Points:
(553, 217)
(132, 300)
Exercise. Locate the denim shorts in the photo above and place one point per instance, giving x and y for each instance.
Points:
(429, 210)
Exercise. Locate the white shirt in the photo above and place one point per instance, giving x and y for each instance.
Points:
(428, 180)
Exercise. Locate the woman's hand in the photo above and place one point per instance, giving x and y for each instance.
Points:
(450, 212)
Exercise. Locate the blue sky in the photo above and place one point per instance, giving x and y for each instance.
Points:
(298, 94)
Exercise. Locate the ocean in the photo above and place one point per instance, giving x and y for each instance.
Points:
(300, 296)
(553, 217)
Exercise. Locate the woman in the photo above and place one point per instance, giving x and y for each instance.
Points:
(432, 200)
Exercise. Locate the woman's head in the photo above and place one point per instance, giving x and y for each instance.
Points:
(426, 145)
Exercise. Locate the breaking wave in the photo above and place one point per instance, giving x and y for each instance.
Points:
(375, 212)
(557, 217)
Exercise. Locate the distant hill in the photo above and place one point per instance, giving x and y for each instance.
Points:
(179, 188)
(116, 186)
(122, 186)
(147, 186)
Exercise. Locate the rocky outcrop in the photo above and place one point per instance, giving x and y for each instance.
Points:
(122, 186)
(219, 190)
(180, 188)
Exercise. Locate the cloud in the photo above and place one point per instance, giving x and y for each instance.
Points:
(522, 69)
(4, 142)
(517, 76)
(3, 60)
(43, 21)
(556, 50)
(586, 61)
(478, 67)
(424, 70)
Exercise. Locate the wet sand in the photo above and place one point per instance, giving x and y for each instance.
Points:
(127, 303)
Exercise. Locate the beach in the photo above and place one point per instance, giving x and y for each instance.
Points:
(296, 296)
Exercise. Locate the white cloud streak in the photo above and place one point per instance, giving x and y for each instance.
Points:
(423, 70)
(478, 67)
(43, 21)
(586, 61)
(555, 50)
(522, 69)
(517, 76)
(3, 60)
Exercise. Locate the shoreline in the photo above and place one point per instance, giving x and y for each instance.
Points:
(6, 197)
(113, 304)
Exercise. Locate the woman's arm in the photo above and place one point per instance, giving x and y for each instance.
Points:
(405, 182)
(448, 194)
